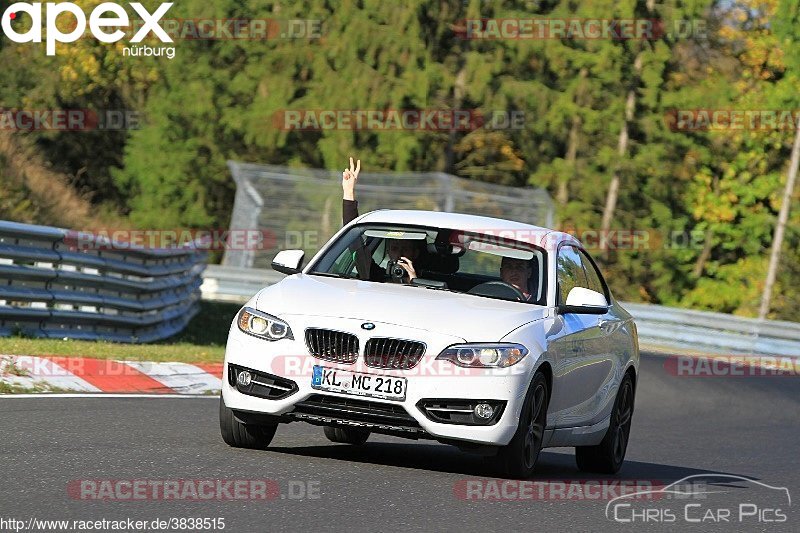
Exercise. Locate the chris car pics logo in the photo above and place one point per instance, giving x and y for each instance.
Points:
(101, 23)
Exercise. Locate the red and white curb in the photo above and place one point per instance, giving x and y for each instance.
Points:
(83, 374)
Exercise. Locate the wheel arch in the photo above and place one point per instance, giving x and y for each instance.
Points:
(546, 369)
(631, 370)
(634, 376)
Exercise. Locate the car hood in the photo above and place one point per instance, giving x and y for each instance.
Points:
(472, 318)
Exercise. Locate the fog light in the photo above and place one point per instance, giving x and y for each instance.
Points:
(484, 410)
(244, 378)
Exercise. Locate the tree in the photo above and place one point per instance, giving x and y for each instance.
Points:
(787, 29)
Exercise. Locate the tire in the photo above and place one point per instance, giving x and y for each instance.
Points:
(518, 458)
(240, 435)
(608, 456)
(346, 435)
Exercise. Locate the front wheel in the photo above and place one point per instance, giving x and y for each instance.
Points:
(608, 456)
(240, 435)
(519, 456)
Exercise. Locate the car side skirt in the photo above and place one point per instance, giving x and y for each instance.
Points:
(577, 436)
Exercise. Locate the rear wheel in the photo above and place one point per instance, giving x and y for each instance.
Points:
(608, 456)
(240, 435)
(346, 435)
(519, 457)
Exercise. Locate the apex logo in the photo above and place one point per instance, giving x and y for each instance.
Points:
(98, 22)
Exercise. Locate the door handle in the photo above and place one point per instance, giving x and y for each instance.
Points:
(609, 325)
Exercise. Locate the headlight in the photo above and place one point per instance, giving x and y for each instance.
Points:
(263, 326)
(495, 355)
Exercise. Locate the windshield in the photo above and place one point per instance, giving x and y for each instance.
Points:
(445, 259)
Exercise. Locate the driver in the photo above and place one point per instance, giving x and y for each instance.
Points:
(517, 272)
(404, 251)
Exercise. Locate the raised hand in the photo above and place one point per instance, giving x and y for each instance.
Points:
(349, 179)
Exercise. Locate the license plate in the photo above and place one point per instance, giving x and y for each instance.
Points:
(338, 380)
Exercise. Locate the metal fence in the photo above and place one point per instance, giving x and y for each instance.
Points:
(301, 208)
(235, 284)
(687, 329)
(659, 326)
(63, 284)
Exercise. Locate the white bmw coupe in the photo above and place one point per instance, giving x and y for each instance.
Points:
(506, 341)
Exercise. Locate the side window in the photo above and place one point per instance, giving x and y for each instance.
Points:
(344, 264)
(569, 272)
(592, 275)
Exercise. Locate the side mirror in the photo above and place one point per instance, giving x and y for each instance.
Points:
(584, 301)
(288, 261)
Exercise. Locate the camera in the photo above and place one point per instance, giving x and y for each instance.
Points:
(394, 270)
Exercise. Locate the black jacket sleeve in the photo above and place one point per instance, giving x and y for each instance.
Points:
(349, 211)
(365, 261)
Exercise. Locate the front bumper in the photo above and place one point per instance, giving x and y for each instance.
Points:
(429, 379)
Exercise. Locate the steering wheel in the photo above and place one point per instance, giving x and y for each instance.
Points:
(498, 289)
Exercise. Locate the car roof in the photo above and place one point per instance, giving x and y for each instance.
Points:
(509, 229)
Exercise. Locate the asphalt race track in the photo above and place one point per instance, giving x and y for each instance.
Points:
(683, 426)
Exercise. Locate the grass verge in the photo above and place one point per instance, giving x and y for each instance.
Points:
(11, 388)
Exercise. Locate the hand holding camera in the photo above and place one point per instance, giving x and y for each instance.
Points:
(398, 269)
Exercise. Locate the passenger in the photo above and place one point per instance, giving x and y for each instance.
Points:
(515, 272)
(404, 251)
